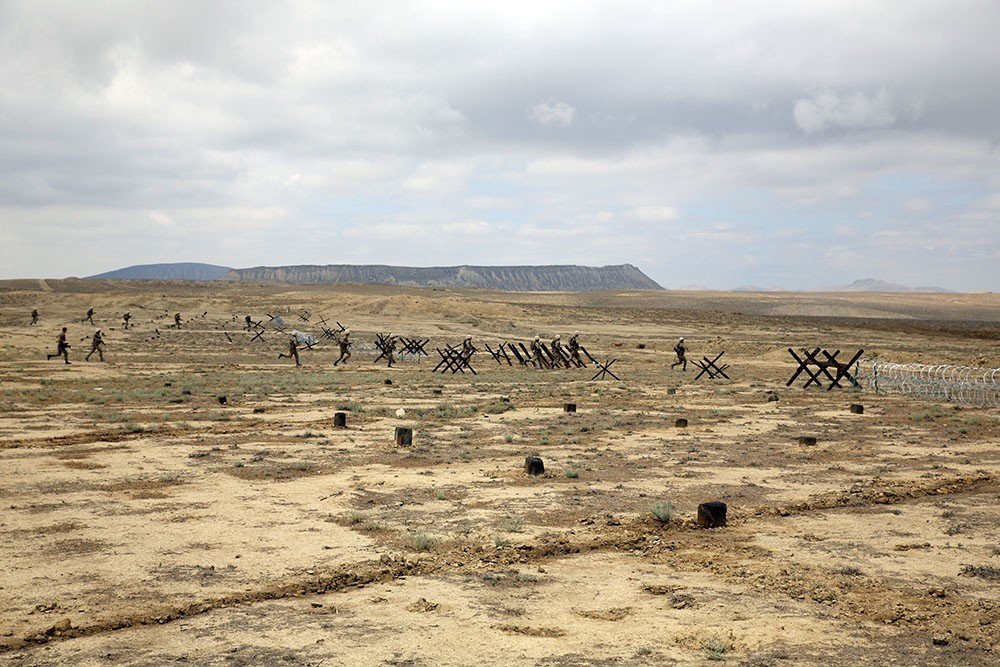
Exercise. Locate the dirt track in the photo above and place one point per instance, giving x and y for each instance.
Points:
(146, 524)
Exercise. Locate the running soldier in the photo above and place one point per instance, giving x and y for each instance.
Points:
(573, 346)
(345, 347)
(293, 351)
(96, 345)
(62, 347)
(89, 317)
(125, 319)
(680, 351)
(177, 320)
(249, 322)
(34, 316)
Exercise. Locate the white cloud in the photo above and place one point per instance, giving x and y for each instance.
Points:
(552, 114)
(856, 110)
(656, 213)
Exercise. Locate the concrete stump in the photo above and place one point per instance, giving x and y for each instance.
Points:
(404, 436)
(671, 391)
(857, 409)
(223, 400)
(258, 411)
(340, 419)
(533, 465)
(681, 422)
(388, 381)
(712, 514)
(807, 440)
(569, 407)
(772, 397)
(436, 392)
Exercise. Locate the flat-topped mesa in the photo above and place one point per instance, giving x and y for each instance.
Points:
(511, 278)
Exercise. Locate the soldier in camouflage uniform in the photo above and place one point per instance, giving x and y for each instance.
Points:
(390, 349)
(125, 319)
(89, 317)
(573, 347)
(177, 321)
(467, 347)
(62, 347)
(558, 356)
(345, 347)
(293, 351)
(536, 352)
(96, 345)
(34, 316)
(249, 322)
(680, 351)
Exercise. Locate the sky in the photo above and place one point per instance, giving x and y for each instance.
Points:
(786, 143)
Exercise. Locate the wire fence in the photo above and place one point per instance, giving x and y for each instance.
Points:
(956, 384)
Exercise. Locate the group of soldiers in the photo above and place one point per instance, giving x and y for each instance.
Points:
(568, 354)
(97, 345)
(97, 342)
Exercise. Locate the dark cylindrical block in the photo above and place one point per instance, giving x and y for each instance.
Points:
(712, 514)
(223, 400)
(388, 381)
(436, 392)
(772, 397)
(505, 399)
(569, 407)
(671, 391)
(681, 422)
(404, 436)
(641, 346)
(533, 465)
(258, 411)
(340, 419)
(807, 440)
(857, 409)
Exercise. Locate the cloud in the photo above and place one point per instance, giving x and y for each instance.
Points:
(312, 132)
(856, 110)
(656, 213)
(552, 114)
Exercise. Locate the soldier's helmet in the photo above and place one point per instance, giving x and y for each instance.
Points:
(558, 336)
(682, 339)
(576, 333)
(347, 332)
(98, 332)
(538, 336)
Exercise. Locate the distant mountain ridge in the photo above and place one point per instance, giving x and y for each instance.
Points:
(175, 271)
(571, 278)
(557, 278)
(873, 285)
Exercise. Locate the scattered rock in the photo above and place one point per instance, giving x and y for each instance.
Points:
(422, 605)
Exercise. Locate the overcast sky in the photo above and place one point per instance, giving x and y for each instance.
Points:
(803, 143)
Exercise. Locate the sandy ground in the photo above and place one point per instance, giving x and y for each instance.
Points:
(145, 523)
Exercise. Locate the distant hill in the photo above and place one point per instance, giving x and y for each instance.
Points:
(873, 285)
(178, 271)
(513, 278)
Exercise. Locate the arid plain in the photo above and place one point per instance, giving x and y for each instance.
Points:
(144, 523)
